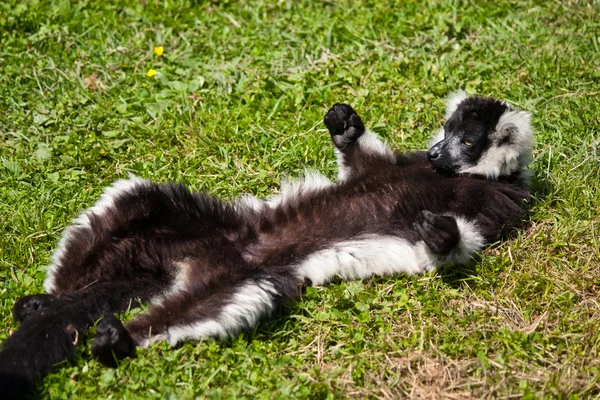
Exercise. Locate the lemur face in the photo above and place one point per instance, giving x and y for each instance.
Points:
(481, 135)
(465, 138)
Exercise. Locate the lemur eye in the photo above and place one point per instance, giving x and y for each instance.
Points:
(467, 143)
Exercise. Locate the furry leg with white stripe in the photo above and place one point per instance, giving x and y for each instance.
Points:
(197, 313)
(358, 150)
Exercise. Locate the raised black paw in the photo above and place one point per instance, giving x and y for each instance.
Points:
(344, 124)
(439, 232)
(28, 306)
(112, 342)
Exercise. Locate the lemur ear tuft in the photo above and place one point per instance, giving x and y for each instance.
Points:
(453, 101)
(515, 127)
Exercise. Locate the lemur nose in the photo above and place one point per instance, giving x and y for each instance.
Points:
(432, 154)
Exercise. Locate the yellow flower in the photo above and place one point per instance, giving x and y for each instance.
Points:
(159, 51)
(151, 72)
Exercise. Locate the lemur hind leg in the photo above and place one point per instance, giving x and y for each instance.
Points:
(112, 342)
(219, 311)
(110, 241)
(358, 150)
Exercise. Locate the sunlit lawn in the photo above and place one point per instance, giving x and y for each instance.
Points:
(235, 105)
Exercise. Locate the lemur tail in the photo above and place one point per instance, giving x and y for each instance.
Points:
(51, 334)
(41, 341)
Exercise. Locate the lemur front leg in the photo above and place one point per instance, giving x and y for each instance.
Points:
(453, 239)
(358, 150)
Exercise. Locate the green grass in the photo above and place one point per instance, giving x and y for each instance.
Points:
(237, 105)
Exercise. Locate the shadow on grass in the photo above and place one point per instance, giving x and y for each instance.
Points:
(540, 188)
(456, 275)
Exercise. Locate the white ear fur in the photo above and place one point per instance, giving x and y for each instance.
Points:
(511, 147)
(438, 137)
(453, 101)
(518, 125)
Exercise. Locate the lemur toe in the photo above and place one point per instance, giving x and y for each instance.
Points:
(439, 232)
(112, 342)
(344, 124)
(28, 306)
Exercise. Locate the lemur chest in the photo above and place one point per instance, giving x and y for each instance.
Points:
(374, 203)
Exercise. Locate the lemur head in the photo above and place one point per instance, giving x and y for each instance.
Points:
(482, 136)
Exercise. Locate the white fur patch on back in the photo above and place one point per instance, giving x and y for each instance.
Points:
(247, 201)
(251, 302)
(106, 201)
(311, 182)
(510, 148)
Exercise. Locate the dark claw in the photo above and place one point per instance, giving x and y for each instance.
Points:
(439, 232)
(112, 342)
(344, 124)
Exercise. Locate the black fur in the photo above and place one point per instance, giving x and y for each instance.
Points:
(33, 305)
(439, 232)
(344, 124)
(140, 246)
(467, 131)
(112, 342)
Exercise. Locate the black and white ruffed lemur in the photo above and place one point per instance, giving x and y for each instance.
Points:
(211, 268)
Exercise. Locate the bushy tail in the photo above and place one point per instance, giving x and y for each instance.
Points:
(51, 334)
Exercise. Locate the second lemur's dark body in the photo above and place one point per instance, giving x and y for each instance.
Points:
(212, 268)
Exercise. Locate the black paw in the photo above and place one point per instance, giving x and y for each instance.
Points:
(112, 342)
(344, 124)
(28, 306)
(440, 233)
